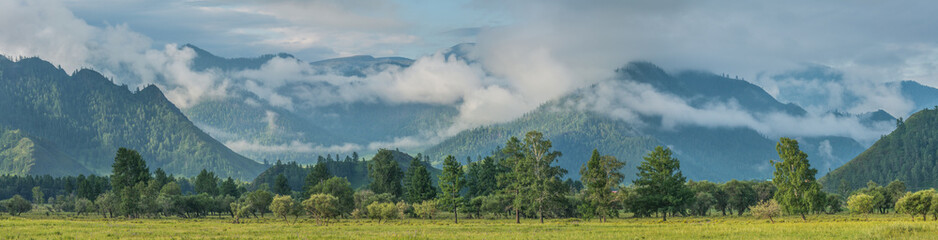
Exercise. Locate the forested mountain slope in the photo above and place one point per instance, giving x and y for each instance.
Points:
(909, 154)
(74, 124)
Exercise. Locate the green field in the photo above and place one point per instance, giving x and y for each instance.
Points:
(840, 226)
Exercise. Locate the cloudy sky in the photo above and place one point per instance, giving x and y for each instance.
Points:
(527, 52)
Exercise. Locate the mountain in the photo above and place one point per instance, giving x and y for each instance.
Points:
(252, 126)
(922, 96)
(711, 153)
(64, 124)
(354, 170)
(907, 154)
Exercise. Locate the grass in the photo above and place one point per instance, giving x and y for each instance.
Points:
(840, 226)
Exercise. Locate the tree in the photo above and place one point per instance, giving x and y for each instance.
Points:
(766, 209)
(83, 205)
(860, 203)
(794, 179)
(281, 205)
(894, 191)
(542, 179)
(385, 174)
(451, 183)
(918, 203)
(17, 205)
(281, 186)
(740, 195)
(382, 211)
(128, 170)
(660, 183)
(425, 209)
(511, 181)
(319, 173)
(206, 182)
(37, 195)
(417, 184)
(321, 206)
(600, 175)
(259, 200)
(341, 189)
(229, 188)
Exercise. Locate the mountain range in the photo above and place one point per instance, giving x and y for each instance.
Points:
(60, 124)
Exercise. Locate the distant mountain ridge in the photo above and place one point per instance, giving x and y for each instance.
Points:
(709, 153)
(73, 124)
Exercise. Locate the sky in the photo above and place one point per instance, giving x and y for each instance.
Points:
(527, 52)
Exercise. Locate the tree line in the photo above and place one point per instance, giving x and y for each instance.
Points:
(520, 180)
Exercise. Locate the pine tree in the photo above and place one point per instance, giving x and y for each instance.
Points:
(206, 182)
(418, 186)
(320, 173)
(281, 186)
(451, 183)
(600, 175)
(385, 174)
(660, 184)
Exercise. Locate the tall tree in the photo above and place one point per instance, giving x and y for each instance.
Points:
(317, 175)
(385, 174)
(794, 178)
(161, 178)
(230, 188)
(206, 182)
(340, 188)
(660, 183)
(600, 175)
(128, 170)
(418, 186)
(281, 186)
(451, 181)
(510, 181)
(546, 188)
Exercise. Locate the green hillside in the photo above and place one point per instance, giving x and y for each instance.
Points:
(910, 154)
(84, 118)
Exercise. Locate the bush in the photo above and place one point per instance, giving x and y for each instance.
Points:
(860, 203)
(766, 209)
(426, 209)
(321, 206)
(382, 211)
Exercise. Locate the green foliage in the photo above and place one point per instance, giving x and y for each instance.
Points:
(600, 175)
(281, 186)
(907, 154)
(660, 184)
(318, 174)
(385, 174)
(451, 184)
(17, 205)
(259, 200)
(426, 209)
(860, 203)
(281, 206)
(918, 203)
(418, 186)
(322, 206)
(740, 195)
(794, 179)
(383, 211)
(206, 182)
(341, 189)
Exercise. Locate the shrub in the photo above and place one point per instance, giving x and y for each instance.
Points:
(766, 209)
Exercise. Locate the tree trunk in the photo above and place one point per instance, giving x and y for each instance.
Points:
(517, 216)
(455, 215)
(803, 218)
(664, 216)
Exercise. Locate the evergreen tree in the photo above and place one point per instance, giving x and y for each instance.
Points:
(418, 186)
(385, 174)
(451, 181)
(340, 188)
(281, 186)
(161, 177)
(129, 169)
(206, 182)
(511, 181)
(600, 175)
(794, 178)
(318, 174)
(229, 188)
(660, 184)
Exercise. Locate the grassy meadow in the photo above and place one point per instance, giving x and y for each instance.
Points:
(38, 225)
